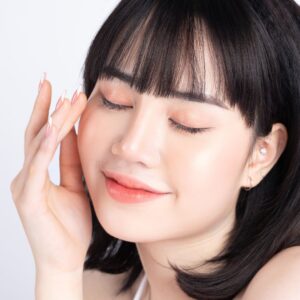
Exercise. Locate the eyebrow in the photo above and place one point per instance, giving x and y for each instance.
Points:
(184, 96)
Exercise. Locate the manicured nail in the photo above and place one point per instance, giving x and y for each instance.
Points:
(43, 77)
(63, 95)
(58, 104)
(76, 94)
(49, 126)
(60, 100)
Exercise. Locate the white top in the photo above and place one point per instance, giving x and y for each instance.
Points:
(141, 288)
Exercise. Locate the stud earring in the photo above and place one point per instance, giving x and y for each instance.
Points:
(263, 151)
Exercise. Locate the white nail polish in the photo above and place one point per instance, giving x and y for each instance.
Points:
(76, 94)
(50, 121)
(43, 77)
(48, 127)
(79, 90)
(63, 95)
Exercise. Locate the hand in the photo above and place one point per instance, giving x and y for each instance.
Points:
(56, 218)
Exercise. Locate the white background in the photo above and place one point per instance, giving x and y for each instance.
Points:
(36, 36)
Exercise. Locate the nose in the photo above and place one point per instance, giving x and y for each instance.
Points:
(140, 141)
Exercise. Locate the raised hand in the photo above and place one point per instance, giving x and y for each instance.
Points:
(56, 218)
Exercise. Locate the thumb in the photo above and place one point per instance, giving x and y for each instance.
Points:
(69, 163)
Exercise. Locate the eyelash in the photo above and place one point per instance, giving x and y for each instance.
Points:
(174, 124)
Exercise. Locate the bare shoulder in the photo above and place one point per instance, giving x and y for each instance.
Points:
(102, 286)
(278, 279)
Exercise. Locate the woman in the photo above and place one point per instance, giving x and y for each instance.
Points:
(183, 181)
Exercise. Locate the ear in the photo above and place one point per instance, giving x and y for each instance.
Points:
(264, 155)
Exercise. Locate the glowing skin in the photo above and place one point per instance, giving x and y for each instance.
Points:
(203, 171)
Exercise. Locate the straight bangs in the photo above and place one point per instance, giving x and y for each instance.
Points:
(161, 48)
(160, 45)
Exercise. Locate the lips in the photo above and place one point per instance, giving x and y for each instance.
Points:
(130, 182)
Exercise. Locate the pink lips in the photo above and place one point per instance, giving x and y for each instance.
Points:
(127, 190)
(130, 182)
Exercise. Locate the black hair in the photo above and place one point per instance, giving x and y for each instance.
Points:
(255, 46)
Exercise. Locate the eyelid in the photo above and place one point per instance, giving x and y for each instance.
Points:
(175, 125)
(108, 103)
(191, 130)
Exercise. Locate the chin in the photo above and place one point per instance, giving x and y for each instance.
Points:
(127, 228)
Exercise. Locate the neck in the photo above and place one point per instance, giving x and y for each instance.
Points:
(185, 252)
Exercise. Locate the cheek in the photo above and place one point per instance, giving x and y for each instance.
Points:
(95, 133)
(94, 138)
(208, 173)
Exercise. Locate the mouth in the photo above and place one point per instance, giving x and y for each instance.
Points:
(131, 183)
(127, 195)
(126, 189)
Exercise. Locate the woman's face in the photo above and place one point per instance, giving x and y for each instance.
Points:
(201, 172)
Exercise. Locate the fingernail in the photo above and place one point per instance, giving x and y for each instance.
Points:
(60, 100)
(58, 104)
(43, 77)
(76, 94)
(63, 95)
(49, 126)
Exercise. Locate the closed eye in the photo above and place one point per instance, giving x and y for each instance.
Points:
(112, 106)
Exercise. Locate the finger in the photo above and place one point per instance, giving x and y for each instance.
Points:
(39, 113)
(76, 110)
(38, 170)
(64, 118)
(70, 165)
(58, 118)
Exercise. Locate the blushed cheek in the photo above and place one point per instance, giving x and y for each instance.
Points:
(92, 146)
(208, 176)
(85, 137)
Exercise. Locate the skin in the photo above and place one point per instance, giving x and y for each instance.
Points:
(278, 279)
(186, 227)
(204, 173)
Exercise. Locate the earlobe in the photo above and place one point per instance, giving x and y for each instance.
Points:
(273, 144)
(255, 167)
(265, 154)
